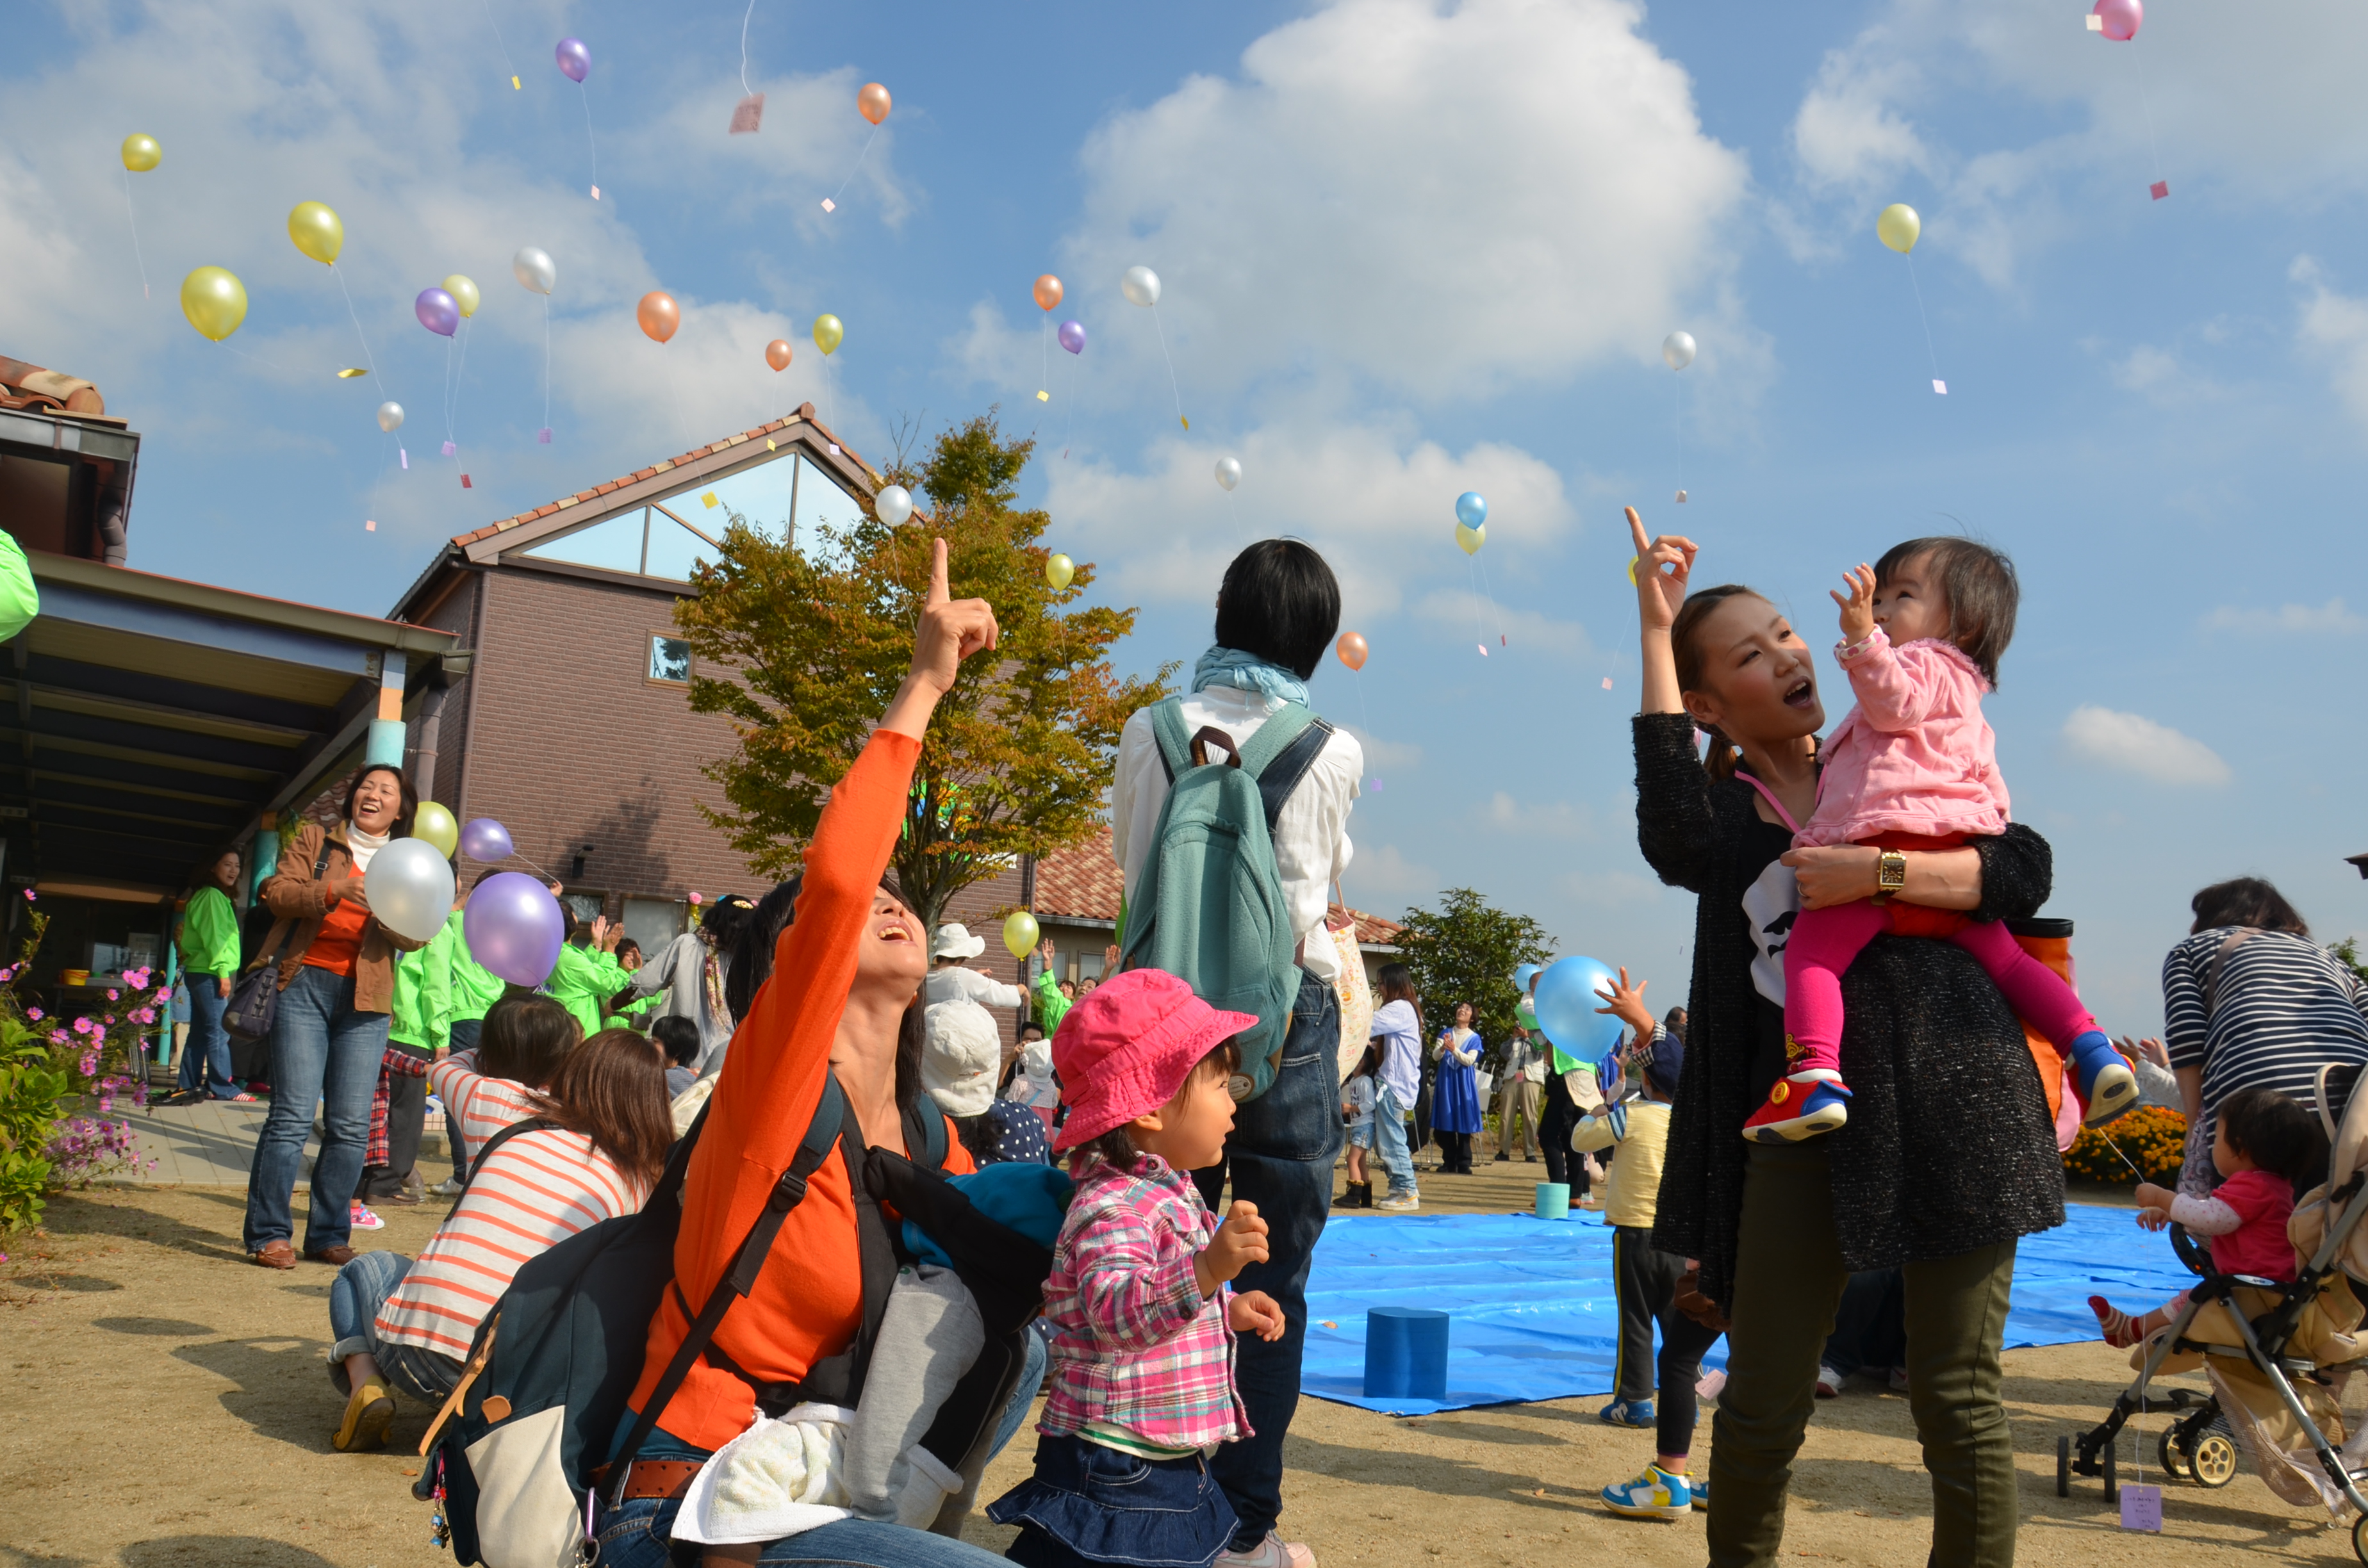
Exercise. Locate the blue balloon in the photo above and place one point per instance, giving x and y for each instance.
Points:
(1472, 509)
(1521, 973)
(1568, 1000)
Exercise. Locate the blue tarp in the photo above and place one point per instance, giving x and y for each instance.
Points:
(1534, 1316)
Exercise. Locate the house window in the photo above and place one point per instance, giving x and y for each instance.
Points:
(669, 659)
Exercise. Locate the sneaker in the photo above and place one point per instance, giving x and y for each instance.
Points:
(1656, 1495)
(1899, 1380)
(449, 1187)
(2106, 1086)
(1799, 1107)
(361, 1219)
(1626, 1413)
(1700, 1486)
(1399, 1203)
(1272, 1552)
(367, 1415)
(1829, 1381)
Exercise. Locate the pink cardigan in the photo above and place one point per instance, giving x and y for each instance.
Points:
(1915, 756)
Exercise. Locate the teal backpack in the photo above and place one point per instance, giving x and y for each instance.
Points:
(1209, 908)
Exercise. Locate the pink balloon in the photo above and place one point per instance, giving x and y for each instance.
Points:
(2121, 19)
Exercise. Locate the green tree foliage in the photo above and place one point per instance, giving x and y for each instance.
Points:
(2347, 953)
(1466, 951)
(803, 647)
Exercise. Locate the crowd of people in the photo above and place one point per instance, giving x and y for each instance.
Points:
(1827, 1156)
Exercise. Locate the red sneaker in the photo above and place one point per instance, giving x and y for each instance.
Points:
(1799, 1107)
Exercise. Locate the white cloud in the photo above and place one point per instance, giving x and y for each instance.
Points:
(2333, 327)
(2134, 744)
(1380, 873)
(1553, 819)
(1848, 132)
(2332, 617)
(1384, 756)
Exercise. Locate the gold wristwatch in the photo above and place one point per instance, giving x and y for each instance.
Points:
(1890, 872)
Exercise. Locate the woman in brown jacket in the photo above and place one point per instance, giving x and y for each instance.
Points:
(336, 984)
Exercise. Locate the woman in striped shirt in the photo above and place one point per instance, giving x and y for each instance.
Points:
(2249, 1001)
(405, 1326)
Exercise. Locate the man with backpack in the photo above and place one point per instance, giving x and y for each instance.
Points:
(1237, 797)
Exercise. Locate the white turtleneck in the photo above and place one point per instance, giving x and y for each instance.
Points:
(363, 845)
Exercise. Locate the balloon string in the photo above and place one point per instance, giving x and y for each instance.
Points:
(1493, 613)
(1681, 432)
(858, 163)
(1044, 350)
(1924, 320)
(1479, 633)
(452, 415)
(356, 317)
(1233, 512)
(546, 361)
(1172, 386)
(447, 403)
(134, 222)
(508, 68)
(586, 94)
(744, 47)
(2145, 105)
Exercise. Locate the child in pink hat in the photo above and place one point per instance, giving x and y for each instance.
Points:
(1139, 1301)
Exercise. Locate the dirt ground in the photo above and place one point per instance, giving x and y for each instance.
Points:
(163, 1404)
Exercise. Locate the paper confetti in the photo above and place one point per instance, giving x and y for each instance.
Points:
(1607, 683)
(708, 500)
(2142, 1509)
(1329, 1324)
(1682, 498)
(769, 443)
(834, 448)
(748, 114)
(544, 435)
(2096, 23)
(1939, 386)
(828, 205)
(348, 373)
(369, 526)
(2159, 188)
(448, 449)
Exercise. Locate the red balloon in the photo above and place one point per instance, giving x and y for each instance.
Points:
(659, 316)
(1351, 649)
(873, 102)
(1047, 291)
(777, 354)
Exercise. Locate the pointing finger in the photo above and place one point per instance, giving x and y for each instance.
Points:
(937, 575)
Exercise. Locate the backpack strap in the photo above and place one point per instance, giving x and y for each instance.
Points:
(1167, 729)
(477, 1160)
(925, 1137)
(1281, 776)
(822, 1136)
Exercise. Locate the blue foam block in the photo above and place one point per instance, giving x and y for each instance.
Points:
(1406, 1354)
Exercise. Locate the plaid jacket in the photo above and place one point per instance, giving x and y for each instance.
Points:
(1135, 1344)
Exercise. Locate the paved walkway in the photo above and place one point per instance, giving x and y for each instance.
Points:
(210, 1144)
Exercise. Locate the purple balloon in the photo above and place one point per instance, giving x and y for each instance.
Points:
(514, 927)
(437, 312)
(1073, 337)
(573, 58)
(482, 838)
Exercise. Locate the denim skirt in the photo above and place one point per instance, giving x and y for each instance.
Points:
(1090, 1504)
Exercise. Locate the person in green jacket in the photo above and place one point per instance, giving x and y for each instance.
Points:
(634, 1015)
(403, 1080)
(210, 962)
(461, 991)
(1053, 999)
(21, 601)
(586, 974)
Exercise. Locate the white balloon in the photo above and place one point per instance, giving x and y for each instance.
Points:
(893, 504)
(535, 270)
(1229, 472)
(390, 415)
(409, 885)
(1141, 286)
(1678, 350)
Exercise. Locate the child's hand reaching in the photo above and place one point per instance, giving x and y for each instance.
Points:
(2154, 1206)
(1254, 1312)
(1240, 1241)
(1857, 607)
(2153, 1219)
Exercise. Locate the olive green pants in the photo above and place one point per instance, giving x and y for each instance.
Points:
(1788, 1280)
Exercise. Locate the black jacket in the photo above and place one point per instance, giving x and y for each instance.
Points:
(1949, 1145)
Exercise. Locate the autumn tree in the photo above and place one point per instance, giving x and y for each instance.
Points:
(802, 643)
(1466, 951)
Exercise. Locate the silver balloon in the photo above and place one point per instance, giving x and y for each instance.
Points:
(409, 885)
(1678, 350)
(1141, 286)
(390, 415)
(893, 506)
(1229, 472)
(534, 270)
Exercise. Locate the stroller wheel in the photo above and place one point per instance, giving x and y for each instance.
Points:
(2214, 1459)
(2175, 1461)
(2064, 1472)
(2360, 1538)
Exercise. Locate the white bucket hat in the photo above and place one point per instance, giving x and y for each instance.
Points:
(954, 941)
(960, 1057)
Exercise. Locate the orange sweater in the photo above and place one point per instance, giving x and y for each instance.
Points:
(808, 1302)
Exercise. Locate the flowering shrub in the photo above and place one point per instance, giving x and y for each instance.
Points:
(2154, 1139)
(46, 1069)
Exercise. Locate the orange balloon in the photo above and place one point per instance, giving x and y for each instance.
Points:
(777, 354)
(659, 316)
(1047, 291)
(1351, 649)
(873, 102)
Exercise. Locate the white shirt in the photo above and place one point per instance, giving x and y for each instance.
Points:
(1393, 1025)
(1311, 833)
(954, 983)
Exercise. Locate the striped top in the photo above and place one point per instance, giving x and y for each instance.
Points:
(2283, 1008)
(483, 1106)
(536, 1190)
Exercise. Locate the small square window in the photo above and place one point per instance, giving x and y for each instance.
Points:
(669, 659)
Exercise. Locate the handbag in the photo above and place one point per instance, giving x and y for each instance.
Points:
(254, 1000)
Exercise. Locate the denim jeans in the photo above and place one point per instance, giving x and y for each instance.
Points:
(205, 1059)
(322, 1050)
(1390, 1144)
(356, 1295)
(639, 1533)
(1280, 1157)
(1023, 1397)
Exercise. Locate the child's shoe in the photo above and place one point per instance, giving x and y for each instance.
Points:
(2106, 1084)
(1626, 1413)
(359, 1217)
(1799, 1107)
(1656, 1495)
(1399, 1203)
(1700, 1486)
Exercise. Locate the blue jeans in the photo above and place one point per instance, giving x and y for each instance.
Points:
(356, 1295)
(639, 1533)
(322, 1050)
(1390, 1144)
(205, 1059)
(1031, 1378)
(1280, 1157)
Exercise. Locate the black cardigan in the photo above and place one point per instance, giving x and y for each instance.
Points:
(1949, 1145)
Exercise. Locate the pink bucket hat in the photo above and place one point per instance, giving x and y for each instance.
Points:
(1129, 1045)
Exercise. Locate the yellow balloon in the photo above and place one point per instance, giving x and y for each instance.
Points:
(1897, 227)
(1020, 934)
(1471, 539)
(433, 824)
(464, 293)
(316, 231)
(828, 333)
(142, 153)
(1059, 570)
(214, 300)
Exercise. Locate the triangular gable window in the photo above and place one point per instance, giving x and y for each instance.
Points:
(671, 538)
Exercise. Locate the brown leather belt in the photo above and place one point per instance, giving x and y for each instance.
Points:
(651, 1477)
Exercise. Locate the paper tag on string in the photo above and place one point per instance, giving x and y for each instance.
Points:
(769, 443)
(1374, 785)
(709, 501)
(828, 205)
(370, 526)
(405, 457)
(1043, 397)
(748, 114)
(2160, 189)
(1682, 498)
(1484, 649)
(464, 483)
(515, 86)
(544, 435)
(1607, 683)
(1939, 386)
(350, 373)
(2142, 1509)
(448, 449)
(595, 193)
(2096, 23)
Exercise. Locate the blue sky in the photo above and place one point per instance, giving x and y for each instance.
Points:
(1408, 250)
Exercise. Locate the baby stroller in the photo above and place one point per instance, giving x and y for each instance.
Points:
(2274, 1353)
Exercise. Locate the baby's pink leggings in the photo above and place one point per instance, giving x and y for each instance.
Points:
(1824, 942)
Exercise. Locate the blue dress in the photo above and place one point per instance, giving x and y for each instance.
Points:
(1455, 1101)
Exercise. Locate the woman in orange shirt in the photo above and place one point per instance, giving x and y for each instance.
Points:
(844, 973)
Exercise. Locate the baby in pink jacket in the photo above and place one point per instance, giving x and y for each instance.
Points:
(1913, 765)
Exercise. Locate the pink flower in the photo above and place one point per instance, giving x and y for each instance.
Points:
(110, 995)
(29, 896)
(59, 1035)
(33, 1013)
